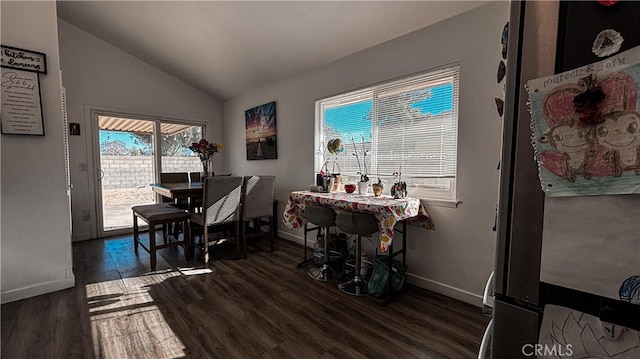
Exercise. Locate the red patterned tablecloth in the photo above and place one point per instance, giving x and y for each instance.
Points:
(386, 209)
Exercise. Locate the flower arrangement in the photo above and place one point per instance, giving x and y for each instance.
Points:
(205, 151)
(364, 177)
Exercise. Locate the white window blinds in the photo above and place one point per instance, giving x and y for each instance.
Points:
(416, 122)
(410, 124)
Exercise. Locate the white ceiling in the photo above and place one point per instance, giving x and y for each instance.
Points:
(225, 48)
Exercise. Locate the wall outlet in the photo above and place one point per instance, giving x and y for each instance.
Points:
(85, 215)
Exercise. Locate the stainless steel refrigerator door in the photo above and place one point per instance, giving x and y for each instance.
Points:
(531, 54)
(517, 333)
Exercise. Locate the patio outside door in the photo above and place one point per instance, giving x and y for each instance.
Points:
(125, 171)
(128, 163)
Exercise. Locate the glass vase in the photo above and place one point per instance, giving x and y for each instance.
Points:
(207, 169)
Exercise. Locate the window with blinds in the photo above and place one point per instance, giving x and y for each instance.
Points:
(408, 125)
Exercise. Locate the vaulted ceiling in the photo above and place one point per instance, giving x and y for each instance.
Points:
(226, 48)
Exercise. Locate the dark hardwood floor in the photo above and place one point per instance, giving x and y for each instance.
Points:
(259, 307)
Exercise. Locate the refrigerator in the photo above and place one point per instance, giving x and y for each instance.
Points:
(566, 265)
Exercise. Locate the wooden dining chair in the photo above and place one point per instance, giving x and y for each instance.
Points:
(220, 215)
(196, 203)
(194, 176)
(159, 214)
(173, 177)
(257, 209)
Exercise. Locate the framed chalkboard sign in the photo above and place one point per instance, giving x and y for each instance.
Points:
(21, 59)
(21, 103)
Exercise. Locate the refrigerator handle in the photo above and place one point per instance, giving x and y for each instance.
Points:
(487, 298)
(486, 341)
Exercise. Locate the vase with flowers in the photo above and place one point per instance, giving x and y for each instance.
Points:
(205, 151)
(363, 185)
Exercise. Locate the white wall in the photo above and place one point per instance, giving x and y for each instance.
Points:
(97, 74)
(457, 258)
(35, 234)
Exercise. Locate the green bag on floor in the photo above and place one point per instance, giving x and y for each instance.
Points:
(380, 276)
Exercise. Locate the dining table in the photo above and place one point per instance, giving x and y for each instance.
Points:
(178, 190)
(388, 210)
(191, 191)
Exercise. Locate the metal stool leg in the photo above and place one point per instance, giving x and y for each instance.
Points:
(356, 286)
(324, 273)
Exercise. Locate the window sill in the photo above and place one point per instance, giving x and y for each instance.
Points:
(439, 202)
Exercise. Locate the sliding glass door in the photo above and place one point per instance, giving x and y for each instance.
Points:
(174, 145)
(128, 163)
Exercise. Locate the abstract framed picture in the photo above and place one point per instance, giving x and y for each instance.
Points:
(261, 136)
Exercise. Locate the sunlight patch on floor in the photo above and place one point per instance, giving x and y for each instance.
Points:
(126, 322)
(194, 271)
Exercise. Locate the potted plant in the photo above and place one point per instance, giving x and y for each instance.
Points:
(363, 185)
(377, 188)
(399, 188)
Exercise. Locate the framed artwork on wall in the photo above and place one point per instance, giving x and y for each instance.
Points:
(261, 136)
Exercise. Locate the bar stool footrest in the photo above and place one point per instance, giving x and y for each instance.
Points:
(355, 287)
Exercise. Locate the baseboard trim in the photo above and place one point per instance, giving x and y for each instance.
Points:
(449, 291)
(297, 239)
(37, 289)
(80, 237)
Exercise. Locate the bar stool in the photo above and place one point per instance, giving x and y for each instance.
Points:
(323, 217)
(362, 225)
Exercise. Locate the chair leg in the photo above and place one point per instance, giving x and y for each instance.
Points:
(135, 233)
(244, 238)
(192, 243)
(205, 243)
(356, 286)
(272, 230)
(166, 227)
(186, 240)
(152, 245)
(324, 273)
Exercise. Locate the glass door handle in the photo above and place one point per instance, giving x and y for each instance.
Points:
(100, 174)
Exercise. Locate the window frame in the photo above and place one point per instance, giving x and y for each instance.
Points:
(425, 192)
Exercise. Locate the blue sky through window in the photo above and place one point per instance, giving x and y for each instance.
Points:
(106, 136)
(126, 137)
(351, 119)
(441, 100)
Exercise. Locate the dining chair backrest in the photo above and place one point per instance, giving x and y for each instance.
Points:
(194, 176)
(221, 200)
(257, 196)
(174, 177)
